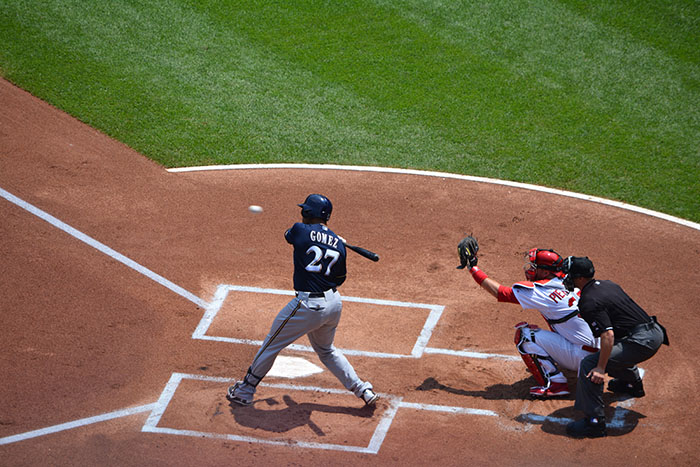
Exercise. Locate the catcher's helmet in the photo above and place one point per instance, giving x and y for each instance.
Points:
(316, 206)
(548, 260)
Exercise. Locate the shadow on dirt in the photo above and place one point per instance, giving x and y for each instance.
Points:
(280, 420)
(516, 391)
(619, 420)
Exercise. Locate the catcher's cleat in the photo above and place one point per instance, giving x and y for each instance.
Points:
(587, 428)
(231, 395)
(554, 390)
(370, 397)
(623, 387)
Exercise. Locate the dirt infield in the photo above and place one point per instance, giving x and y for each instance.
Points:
(111, 264)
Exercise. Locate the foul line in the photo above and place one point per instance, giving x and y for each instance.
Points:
(102, 247)
(77, 423)
(211, 308)
(470, 178)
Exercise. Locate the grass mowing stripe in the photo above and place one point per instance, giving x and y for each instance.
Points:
(554, 92)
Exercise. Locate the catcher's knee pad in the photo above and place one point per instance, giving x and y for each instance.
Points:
(524, 333)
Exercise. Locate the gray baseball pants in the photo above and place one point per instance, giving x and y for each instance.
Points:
(316, 317)
(627, 352)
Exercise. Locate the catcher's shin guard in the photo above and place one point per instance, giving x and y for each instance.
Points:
(532, 361)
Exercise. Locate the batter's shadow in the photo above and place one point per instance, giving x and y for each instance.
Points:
(292, 416)
(500, 391)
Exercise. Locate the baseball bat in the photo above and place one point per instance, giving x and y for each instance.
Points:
(363, 252)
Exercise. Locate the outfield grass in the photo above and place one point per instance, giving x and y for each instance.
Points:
(598, 97)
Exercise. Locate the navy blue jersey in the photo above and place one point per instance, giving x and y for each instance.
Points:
(319, 257)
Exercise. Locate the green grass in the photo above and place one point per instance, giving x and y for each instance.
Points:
(598, 97)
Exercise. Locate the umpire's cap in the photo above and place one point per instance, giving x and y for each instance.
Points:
(578, 266)
(316, 206)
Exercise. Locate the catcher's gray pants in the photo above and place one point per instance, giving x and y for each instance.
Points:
(637, 347)
(317, 317)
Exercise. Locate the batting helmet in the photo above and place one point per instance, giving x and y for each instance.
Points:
(548, 260)
(316, 206)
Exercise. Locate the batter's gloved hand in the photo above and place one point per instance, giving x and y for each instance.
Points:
(467, 250)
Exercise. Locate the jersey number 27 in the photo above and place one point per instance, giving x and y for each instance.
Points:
(316, 265)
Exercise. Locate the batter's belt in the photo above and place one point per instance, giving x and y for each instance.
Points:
(315, 294)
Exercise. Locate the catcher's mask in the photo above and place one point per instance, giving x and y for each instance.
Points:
(316, 206)
(539, 259)
(576, 266)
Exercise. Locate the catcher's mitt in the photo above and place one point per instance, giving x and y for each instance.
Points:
(467, 250)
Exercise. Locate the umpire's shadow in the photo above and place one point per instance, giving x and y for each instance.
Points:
(620, 420)
(515, 391)
(292, 416)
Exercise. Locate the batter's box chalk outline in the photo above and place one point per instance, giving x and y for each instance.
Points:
(380, 431)
(375, 443)
(222, 292)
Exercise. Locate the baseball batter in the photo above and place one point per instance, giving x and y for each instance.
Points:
(319, 269)
(569, 339)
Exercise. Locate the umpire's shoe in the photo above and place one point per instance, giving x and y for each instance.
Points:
(589, 427)
(618, 386)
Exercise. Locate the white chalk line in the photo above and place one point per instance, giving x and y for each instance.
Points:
(77, 423)
(418, 350)
(212, 308)
(373, 447)
(493, 181)
(158, 408)
(102, 248)
(447, 409)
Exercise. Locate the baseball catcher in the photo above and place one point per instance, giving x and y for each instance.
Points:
(569, 339)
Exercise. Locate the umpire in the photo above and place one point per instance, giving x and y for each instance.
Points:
(628, 335)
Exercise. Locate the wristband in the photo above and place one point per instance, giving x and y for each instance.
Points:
(478, 275)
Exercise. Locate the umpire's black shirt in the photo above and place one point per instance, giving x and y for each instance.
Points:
(604, 306)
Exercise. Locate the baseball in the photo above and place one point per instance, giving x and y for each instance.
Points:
(254, 208)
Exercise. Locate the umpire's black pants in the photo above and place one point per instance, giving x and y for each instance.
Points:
(638, 346)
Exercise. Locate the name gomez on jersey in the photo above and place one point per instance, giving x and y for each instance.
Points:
(319, 257)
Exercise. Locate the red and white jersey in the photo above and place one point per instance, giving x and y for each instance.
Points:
(554, 302)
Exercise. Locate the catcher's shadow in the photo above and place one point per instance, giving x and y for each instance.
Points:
(515, 391)
(292, 416)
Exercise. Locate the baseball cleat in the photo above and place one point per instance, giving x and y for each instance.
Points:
(554, 390)
(587, 428)
(369, 396)
(623, 387)
(231, 395)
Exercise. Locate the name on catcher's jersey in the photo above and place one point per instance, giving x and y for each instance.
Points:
(551, 298)
(319, 257)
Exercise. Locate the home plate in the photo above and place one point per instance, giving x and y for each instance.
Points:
(293, 367)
